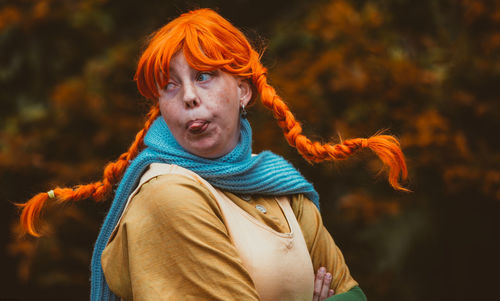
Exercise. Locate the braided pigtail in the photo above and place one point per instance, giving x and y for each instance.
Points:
(385, 146)
(98, 191)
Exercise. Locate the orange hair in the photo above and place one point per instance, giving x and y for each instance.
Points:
(209, 42)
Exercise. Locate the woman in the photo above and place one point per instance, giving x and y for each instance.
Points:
(196, 215)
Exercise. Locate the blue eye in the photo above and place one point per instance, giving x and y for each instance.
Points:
(203, 76)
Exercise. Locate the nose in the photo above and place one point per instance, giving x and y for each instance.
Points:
(190, 96)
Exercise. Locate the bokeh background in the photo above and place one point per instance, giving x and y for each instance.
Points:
(428, 71)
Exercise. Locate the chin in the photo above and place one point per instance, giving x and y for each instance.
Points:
(209, 148)
(207, 152)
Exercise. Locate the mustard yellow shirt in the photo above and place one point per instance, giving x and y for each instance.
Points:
(172, 244)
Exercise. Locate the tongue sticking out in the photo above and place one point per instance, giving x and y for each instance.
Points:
(198, 126)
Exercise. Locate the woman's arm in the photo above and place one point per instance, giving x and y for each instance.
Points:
(322, 290)
(322, 248)
(173, 245)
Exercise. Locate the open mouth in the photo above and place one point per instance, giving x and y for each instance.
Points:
(197, 126)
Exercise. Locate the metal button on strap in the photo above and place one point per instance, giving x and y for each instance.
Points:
(246, 197)
(261, 208)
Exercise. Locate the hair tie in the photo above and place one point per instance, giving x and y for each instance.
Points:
(51, 194)
(364, 142)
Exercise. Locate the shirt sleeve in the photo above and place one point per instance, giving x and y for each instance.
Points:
(354, 294)
(322, 248)
(171, 246)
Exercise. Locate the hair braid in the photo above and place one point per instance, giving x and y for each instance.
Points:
(98, 191)
(386, 147)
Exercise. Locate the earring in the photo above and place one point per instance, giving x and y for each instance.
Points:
(243, 112)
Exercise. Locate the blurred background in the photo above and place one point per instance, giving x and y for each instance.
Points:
(428, 71)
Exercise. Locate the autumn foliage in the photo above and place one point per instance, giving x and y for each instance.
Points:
(423, 71)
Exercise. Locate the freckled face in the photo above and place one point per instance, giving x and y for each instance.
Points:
(201, 108)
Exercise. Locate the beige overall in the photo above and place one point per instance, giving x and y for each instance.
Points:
(278, 263)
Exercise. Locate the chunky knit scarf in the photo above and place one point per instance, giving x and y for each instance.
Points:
(238, 172)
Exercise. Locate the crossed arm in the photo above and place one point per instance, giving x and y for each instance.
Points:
(323, 292)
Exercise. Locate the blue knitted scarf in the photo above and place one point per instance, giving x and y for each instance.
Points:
(238, 172)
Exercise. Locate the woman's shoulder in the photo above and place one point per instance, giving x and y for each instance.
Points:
(302, 206)
(169, 185)
(170, 194)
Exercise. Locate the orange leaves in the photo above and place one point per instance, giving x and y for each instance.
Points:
(483, 13)
(339, 17)
(495, 14)
(29, 13)
(469, 100)
(372, 16)
(350, 77)
(9, 15)
(407, 73)
(40, 9)
(334, 19)
(362, 207)
(491, 42)
(485, 180)
(73, 96)
(353, 54)
(473, 9)
(431, 130)
(69, 93)
(26, 15)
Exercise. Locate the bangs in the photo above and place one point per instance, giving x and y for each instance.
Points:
(208, 42)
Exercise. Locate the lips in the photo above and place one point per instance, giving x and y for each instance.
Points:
(197, 126)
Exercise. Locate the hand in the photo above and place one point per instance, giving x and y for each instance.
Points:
(322, 283)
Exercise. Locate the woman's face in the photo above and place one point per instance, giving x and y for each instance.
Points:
(201, 108)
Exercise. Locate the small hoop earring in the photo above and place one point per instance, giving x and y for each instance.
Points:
(243, 112)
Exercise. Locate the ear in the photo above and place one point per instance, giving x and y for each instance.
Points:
(245, 91)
